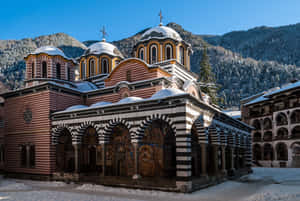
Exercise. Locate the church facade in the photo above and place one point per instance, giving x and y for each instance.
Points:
(138, 122)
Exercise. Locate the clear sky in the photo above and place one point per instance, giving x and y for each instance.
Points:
(83, 19)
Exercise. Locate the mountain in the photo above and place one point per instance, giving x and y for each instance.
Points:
(281, 44)
(12, 53)
(245, 62)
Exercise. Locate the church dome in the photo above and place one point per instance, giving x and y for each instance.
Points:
(161, 32)
(50, 50)
(103, 47)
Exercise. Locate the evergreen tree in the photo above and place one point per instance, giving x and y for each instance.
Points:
(207, 78)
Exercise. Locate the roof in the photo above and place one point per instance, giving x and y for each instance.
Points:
(50, 50)
(275, 91)
(103, 47)
(161, 32)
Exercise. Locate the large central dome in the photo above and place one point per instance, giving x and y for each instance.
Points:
(161, 32)
(103, 47)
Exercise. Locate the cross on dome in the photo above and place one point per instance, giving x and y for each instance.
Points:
(160, 18)
(104, 33)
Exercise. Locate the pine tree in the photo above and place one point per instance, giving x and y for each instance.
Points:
(207, 78)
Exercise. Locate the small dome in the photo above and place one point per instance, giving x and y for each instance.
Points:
(131, 99)
(161, 32)
(76, 107)
(166, 93)
(99, 104)
(103, 47)
(50, 50)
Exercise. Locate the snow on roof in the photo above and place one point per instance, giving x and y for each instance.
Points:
(166, 93)
(86, 86)
(50, 50)
(234, 114)
(76, 107)
(130, 99)
(103, 47)
(257, 100)
(285, 88)
(99, 104)
(161, 32)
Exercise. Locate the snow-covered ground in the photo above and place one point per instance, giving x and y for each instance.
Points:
(265, 184)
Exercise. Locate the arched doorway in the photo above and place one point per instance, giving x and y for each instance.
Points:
(256, 124)
(282, 152)
(268, 136)
(267, 124)
(282, 134)
(196, 153)
(268, 152)
(158, 151)
(295, 117)
(89, 151)
(257, 137)
(65, 158)
(281, 119)
(120, 159)
(256, 152)
(296, 155)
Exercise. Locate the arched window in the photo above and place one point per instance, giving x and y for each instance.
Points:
(282, 134)
(268, 136)
(91, 67)
(58, 76)
(44, 69)
(256, 137)
(32, 70)
(256, 124)
(295, 117)
(181, 54)
(23, 156)
(168, 52)
(281, 119)
(104, 66)
(296, 132)
(141, 53)
(267, 124)
(83, 70)
(31, 155)
(153, 54)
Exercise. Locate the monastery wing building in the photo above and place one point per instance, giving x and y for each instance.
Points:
(275, 116)
(137, 122)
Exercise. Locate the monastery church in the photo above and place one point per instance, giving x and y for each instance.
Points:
(139, 122)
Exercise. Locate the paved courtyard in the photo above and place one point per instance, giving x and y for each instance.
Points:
(265, 184)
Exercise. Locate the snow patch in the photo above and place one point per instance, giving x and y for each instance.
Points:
(99, 104)
(50, 50)
(131, 99)
(76, 107)
(167, 93)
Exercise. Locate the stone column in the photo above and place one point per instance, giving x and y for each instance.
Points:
(232, 158)
(103, 159)
(223, 160)
(77, 161)
(136, 161)
(203, 160)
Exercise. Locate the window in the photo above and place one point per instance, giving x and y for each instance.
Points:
(32, 70)
(153, 55)
(82, 70)
(2, 153)
(68, 74)
(168, 52)
(141, 53)
(31, 155)
(181, 51)
(58, 71)
(104, 65)
(23, 156)
(128, 76)
(91, 67)
(44, 69)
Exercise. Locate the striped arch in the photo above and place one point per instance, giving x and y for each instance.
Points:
(214, 134)
(201, 131)
(231, 139)
(147, 122)
(223, 136)
(56, 131)
(110, 126)
(80, 131)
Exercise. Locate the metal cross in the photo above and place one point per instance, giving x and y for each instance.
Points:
(104, 33)
(160, 16)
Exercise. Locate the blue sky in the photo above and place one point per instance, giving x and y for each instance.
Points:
(83, 19)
